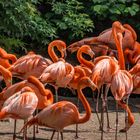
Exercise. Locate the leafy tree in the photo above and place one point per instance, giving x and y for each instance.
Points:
(32, 24)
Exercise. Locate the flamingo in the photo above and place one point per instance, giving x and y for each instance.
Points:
(79, 73)
(30, 64)
(64, 113)
(133, 55)
(45, 96)
(105, 38)
(33, 64)
(59, 73)
(135, 72)
(21, 105)
(121, 83)
(85, 49)
(5, 57)
(106, 67)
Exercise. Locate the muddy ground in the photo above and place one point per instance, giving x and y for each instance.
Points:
(87, 131)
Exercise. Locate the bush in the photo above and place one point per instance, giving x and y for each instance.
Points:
(33, 24)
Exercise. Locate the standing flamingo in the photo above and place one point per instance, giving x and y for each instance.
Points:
(59, 74)
(121, 83)
(45, 96)
(21, 105)
(64, 113)
(33, 64)
(105, 70)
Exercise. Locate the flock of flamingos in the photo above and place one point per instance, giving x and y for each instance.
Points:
(114, 63)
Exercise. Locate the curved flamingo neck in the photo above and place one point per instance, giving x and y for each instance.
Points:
(119, 48)
(134, 35)
(6, 75)
(5, 55)
(59, 44)
(83, 61)
(38, 84)
(86, 105)
(79, 73)
(52, 54)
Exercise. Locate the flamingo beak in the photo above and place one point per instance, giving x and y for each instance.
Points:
(65, 53)
(93, 86)
(91, 53)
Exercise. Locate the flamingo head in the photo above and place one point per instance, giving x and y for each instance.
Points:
(87, 82)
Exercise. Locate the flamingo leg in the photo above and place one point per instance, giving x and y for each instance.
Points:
(56, 93)
(53, 134)
(15, 125)
(102, 114)
(130, 118)
(106, 106)
(96, 110)
(116, 121)
(61, 135)
(58, 135)
(25, 132)
(76, 135)
(34, 132)
(37, 130)
(126, 120)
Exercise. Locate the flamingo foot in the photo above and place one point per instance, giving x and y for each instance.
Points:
(101, 129)
(81, 138)
(129, 123)
(109, 129)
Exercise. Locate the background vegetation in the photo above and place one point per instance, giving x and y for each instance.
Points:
(32, 24)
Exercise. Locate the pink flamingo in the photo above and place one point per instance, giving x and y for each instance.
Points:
(33, 64)
(64, 113)
(21, 105)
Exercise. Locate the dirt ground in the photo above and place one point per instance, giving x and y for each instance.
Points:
(87, 131)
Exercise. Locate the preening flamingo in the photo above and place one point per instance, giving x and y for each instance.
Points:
(45, 96)
(122, 80)
(33, 64)
(30, 64)
(64, 113)
(21, 105)
(133, 55)
(106, 38)
(5, 58)
(106, 67)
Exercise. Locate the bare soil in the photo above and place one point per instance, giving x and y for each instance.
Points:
(87, 131)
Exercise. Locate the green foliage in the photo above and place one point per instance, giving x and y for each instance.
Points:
(11, 44)
(72, 18)
(21, 19)
(114, 8)
(34, 23)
